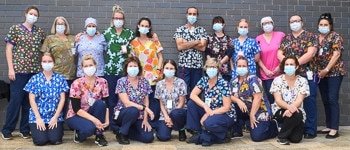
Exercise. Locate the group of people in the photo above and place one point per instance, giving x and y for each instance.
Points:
(267, 85)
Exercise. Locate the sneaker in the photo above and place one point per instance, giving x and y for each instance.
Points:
(6, 137)
(236, 135)
(122, 139)
(100, 140)
(25, 135)
(283, 141)
(182, 135)
(76, 137)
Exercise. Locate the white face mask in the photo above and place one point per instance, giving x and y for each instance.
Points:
(31, 19)
(89, 71)
(118, 23)
(60, 29)
(47, 66)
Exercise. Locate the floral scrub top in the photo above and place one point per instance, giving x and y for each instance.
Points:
(80, 89)
(135, 95)
(289, 95)
(179, 89)
(249, 49)
(245, 90)
(332, 42)
(219, 47)
(61, 50)
(26, 46)
(297, 46)
(190, 58)
(216, 94)
(114, 58)
(95, 47)
(47, 95)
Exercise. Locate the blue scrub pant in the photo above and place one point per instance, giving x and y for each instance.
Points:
(112, 98)
(52, 136)
(310, 107)
(85, 127)
(191, 76)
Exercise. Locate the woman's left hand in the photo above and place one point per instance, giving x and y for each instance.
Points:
(322, 73)
(146, 125)
(253, 122)
(53, 123)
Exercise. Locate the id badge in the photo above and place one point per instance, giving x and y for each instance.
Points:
(169, 104)
(320, 51)
(309, 75)
(91, 101)
(116, 114)
(207, 101)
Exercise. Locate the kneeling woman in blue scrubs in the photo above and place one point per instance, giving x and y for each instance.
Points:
(215, 113)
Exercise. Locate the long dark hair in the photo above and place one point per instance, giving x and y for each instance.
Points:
(149, 34)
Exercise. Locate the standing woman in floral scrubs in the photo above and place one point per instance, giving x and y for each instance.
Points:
(149, 51)
(61, 45)
(22, 53)
(118, 48)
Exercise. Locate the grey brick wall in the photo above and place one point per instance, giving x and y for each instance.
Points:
(167, 15)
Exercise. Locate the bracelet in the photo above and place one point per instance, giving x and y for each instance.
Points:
(143, 107)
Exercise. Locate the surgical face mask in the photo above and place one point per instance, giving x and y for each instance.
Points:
(60, 29)
(295, 26)
(218, 27)
(132, 71)
(31, 19)
(323, 30)
(289, 70)
(89, 71)
(242, 71)
(212, 72)
(91, 31)
(118, 23)
(143, 30)
(47, 66)
(268, 28)
(242, 31)
(191, 19)
(169, 73)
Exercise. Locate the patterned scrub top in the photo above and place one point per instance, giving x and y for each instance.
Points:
(216, 94)
(179, 89)
(297, 46)
(332, 42)
(289, 95)
(249, 49)
(95, 47)
(26, 48)
(65, 62)
(135, 95)
(114, 59)
(80, 89)
(190, 58)
(47, 95)
(147, 54)
(245, 90)
(219, 47)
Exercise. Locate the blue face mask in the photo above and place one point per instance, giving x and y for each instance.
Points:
(143, 30)
(212, 72)
(295, 26)
(242, 71)
(132, 71)
(91, 31)
(217, 27)
(289, 70)
(242, 31)
(323, 30)
(169, 73)
(191, 19)
(60, 29)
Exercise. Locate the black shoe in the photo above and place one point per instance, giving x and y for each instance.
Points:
(227, 140)
(25, 135)
(283, 141)
(122, 139)
(76, 137)
(323, 132)
(229, 132)
(193, 138)
(100, 140)
(182, 135)
(236, 135)
(309, 136)
(328, 136)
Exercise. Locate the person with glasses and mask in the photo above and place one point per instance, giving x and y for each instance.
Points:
(251, 104)
(290, 90)
(303, 44)
(23, 43)
(118, 39)
(331, 70)
(210, 119)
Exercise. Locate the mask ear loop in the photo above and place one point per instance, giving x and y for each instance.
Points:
(317, 76)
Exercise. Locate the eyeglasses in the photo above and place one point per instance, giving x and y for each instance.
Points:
(295, 21)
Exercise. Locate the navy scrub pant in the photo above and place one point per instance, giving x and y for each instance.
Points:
(191, 76)
(85, 127)
(310, 107)
(112, 98)
(52, 136)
